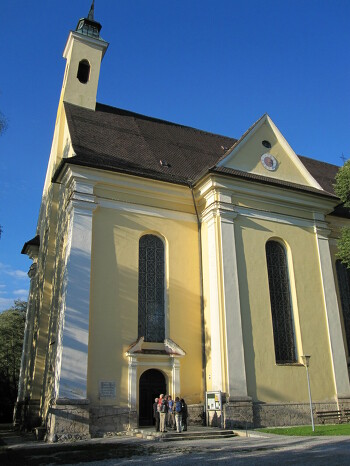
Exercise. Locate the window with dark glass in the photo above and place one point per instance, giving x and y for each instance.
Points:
(83, 71)
(343, 274)
(151, 319)
(280, 299)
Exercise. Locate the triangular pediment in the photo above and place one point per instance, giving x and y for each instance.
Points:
(263, 151)
(168, 347)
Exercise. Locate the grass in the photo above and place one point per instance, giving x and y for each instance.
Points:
(333, 429)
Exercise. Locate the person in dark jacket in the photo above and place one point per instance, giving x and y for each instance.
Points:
(184, 414)
(156, 414)
(178, 414)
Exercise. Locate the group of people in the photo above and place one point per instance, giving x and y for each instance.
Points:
(169, 413)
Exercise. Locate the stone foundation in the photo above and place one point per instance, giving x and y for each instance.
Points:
(238, 413)
(68, 420)
(109, 419)
(287, 414)
(196, 416)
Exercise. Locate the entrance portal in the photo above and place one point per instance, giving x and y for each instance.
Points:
(152, 384)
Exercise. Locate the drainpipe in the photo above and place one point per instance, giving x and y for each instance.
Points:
(204, 378)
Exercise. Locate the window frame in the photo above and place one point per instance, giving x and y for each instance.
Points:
(284, 332)
(144, 327)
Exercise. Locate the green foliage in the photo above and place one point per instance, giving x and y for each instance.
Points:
(333, 429)
(342, 190)
(344, 247)
(12, 323)
(342, 184)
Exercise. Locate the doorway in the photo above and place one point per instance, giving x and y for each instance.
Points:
(152, 384)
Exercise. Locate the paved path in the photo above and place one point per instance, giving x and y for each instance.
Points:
(267, 450)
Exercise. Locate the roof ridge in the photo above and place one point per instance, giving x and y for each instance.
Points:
(100, 106)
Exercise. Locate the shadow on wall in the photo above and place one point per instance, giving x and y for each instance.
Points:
(243, 251)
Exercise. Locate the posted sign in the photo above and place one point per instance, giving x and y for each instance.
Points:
(214, 401)
(213, 407)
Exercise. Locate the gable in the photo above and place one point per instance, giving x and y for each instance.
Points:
(264, 151)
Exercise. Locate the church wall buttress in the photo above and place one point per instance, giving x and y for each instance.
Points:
(73, 323)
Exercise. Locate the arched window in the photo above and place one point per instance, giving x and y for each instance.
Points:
(83, 71)
(151, 319)
(343, 274)
(281, 308)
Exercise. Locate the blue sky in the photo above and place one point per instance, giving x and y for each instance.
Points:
(216, 65)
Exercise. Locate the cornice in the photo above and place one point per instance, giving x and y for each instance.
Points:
(269, 195)
(82, 183)
(322, 231)
(218, 209)
(99, 44)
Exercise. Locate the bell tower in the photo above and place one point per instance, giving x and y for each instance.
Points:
(84, 52)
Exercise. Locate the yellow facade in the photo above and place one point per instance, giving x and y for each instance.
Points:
(114, 283)
(84, 353)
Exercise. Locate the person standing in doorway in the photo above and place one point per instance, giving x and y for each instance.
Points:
(156, 414)
(178, 416)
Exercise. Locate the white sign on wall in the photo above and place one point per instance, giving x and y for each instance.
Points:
(107, 389)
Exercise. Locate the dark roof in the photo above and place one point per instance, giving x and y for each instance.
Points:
(341, 211)
(113, 139)
(32, 242)
(323, 172)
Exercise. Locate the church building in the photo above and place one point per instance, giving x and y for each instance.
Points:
(172, 260)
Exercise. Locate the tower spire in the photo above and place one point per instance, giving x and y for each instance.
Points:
(92, 11)
(88, 26)
(84, 52)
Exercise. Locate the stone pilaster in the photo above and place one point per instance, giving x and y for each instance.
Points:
(214, 306)
(73, 333)
(236, 374)
(132, 378)
(175, 372)
(227, 348)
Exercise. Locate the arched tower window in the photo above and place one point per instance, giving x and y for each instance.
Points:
(83, 71)
(151, 319)
(281, 308)
(343, 275)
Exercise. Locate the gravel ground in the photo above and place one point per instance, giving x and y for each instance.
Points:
(260, 450)
(238, 451)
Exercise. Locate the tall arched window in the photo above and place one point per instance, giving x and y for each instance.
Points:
(343, 274)
(281, 308)
(151, 319)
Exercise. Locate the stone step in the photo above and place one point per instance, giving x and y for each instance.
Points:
(193, 436)
(175, 436)
(212, 433)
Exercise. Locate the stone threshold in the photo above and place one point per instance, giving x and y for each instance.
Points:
(193, 433)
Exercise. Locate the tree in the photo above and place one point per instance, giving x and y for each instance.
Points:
(342, 190)
(12, 323)
(3, 126)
